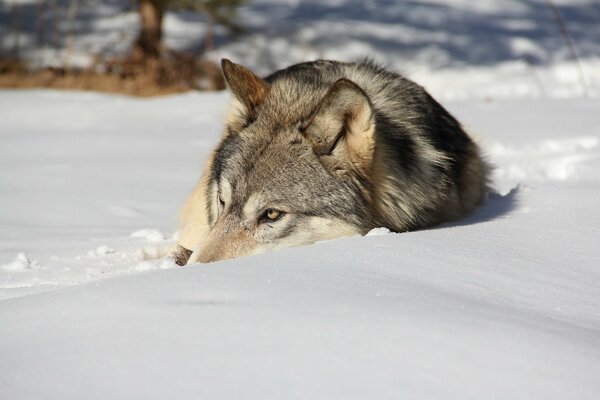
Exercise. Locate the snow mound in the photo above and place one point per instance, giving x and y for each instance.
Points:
(378, 232)
(20, 263)
(151, 235)
(150, 253)
(101, 250)
(552, 159)
(154, 265)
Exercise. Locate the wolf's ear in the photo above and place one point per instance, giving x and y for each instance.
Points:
(343, 126)
(247, 88)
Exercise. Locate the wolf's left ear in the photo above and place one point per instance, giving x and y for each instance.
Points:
(343, 125)
(248, 89)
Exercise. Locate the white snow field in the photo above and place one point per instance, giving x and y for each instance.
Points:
(503, 304)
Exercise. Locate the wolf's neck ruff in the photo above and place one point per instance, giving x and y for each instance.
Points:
(332, 149)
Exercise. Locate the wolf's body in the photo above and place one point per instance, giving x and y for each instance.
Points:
(326, 149)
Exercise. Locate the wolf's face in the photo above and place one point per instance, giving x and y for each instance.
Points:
(291, 170)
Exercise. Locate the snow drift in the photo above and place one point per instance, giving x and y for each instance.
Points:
(502, 304)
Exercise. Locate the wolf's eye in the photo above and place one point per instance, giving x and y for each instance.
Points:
(271, 215)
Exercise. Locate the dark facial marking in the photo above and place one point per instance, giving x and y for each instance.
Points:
(228, 147)
(398, 139)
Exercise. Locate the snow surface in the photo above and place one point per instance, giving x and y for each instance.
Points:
(503, 304)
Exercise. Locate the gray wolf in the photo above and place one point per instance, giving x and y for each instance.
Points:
(326, 149)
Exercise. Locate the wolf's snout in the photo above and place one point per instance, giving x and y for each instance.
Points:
(226, 240)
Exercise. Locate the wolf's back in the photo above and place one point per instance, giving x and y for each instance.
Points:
(426, 169)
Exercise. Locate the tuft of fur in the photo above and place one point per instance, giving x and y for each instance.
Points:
(336, 149)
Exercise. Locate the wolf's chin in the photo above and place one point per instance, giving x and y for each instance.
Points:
(317, 229)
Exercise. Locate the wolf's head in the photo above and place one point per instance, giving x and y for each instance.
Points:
(293, 166)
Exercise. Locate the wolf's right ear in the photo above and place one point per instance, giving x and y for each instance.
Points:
(247, 88)
(342, 129)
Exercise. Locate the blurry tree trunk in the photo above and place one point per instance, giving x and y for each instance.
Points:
(55, 16)
(209, 43)
(40, 28)
(71, 14)
(16, 29)
(148, 44)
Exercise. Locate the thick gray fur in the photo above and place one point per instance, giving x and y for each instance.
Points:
(424, 168)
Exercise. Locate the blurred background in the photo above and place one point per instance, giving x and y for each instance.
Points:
(455, 48)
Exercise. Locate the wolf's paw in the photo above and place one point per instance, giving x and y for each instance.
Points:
(179, 254)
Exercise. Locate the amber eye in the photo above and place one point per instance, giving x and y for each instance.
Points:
(271, 215)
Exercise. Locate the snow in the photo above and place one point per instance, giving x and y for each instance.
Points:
(508, 48)
(502, 304)
(152, 235)
(93, 179)
(20, 263)
(378, 232)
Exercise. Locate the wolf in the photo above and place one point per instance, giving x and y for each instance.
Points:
(325, 149)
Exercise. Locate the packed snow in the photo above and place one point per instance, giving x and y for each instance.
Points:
(502, 304)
